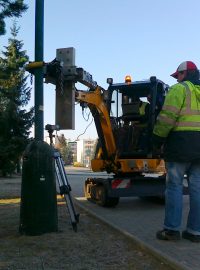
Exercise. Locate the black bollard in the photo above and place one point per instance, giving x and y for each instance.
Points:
(38, 210)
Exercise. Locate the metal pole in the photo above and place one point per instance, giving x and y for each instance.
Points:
(39, 48)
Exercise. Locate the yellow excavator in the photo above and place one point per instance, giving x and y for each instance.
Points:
(124, 145)
(124, 116)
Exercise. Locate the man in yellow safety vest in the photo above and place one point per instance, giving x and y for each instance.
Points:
(178, 129)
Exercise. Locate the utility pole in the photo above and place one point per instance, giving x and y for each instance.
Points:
(39, 49)
(38, 208)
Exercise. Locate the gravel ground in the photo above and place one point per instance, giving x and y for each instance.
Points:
(94, 246)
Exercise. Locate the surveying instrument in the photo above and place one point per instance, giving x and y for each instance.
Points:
(61, 178)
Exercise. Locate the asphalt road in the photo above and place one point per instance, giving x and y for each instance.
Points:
(139, 220)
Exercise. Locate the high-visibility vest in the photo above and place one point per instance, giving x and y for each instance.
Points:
(142, 108)
(181, 110)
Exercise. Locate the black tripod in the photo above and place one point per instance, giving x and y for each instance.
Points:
(62, 180)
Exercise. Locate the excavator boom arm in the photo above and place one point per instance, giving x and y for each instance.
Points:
(99, 110)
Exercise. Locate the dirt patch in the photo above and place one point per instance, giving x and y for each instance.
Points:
(94, 246)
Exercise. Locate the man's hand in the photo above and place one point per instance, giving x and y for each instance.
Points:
(158, 145)
(157, 151)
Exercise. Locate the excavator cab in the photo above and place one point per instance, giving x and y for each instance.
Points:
(133, 108)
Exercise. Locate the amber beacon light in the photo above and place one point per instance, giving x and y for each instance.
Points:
(128, 79)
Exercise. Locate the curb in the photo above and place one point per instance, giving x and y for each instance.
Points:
(141, 244)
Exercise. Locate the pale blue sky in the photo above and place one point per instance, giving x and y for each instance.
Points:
(114, 38)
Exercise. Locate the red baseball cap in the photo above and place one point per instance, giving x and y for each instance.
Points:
(187, 65)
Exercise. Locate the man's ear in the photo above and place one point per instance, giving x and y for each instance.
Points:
(185, 73)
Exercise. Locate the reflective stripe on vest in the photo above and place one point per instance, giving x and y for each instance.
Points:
(171, 109)
(187, 111)
(167, 120)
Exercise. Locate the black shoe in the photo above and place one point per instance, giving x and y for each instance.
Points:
(191, 237)
(166, 234)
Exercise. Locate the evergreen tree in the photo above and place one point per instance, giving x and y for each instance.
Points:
(15, 120)
(61, 145)
(10, 8)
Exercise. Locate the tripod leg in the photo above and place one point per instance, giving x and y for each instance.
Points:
(65, 190)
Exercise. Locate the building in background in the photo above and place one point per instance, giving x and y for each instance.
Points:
(81, 151)
(85, 151)
(72, 146)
